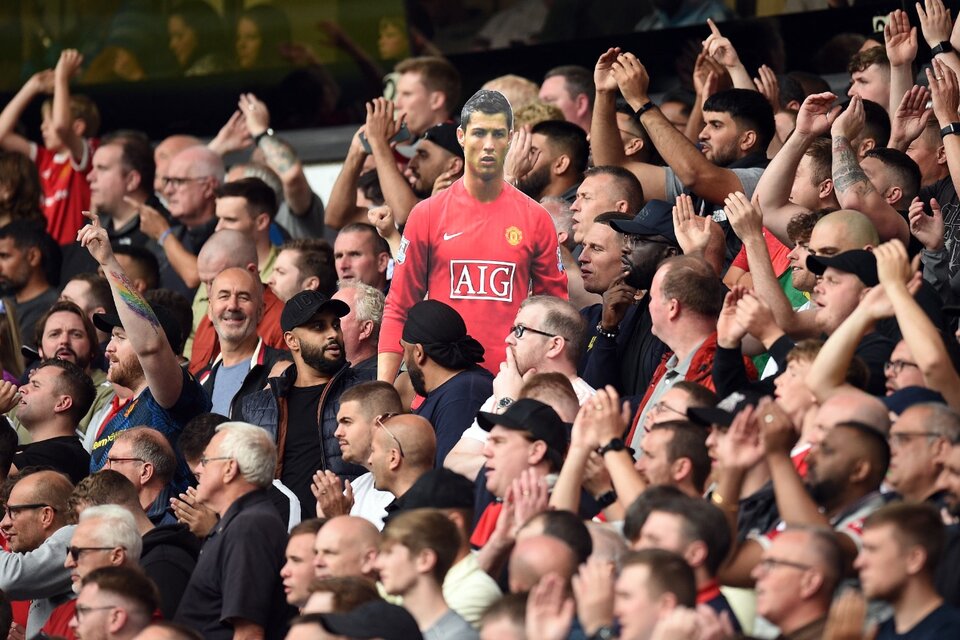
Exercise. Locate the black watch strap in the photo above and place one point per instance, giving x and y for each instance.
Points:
(616, 444)
(950, 129)
(943, 47)
(643, 109)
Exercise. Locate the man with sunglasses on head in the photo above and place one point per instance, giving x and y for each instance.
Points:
(546, 337)
(35, 526)
(299, 407)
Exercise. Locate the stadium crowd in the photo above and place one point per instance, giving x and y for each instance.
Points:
(557, 360)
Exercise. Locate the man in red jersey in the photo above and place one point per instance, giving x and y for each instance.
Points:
(480, 246)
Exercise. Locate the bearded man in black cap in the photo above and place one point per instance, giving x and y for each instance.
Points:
(441, 359)
(299, 407)
(437, 161)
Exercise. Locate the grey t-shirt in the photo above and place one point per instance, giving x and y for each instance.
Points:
(226, 385)
(451, 627)
(749, 177)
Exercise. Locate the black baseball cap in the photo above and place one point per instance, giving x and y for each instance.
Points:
(533, 416)
(106, 322)
(445, 135)
(859, 262)
(306, 304)
(374, 619)
(654, 219)
(725, 411)
(436, 489)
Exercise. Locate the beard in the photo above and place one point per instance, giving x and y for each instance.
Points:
(417, 379)
(315, 357)
(535, 182)
(126, 374)
(824, 491)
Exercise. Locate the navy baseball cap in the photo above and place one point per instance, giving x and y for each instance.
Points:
(654, 219)
(306, 304)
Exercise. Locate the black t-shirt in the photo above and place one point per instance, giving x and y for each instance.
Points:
(452, 406)
(943, 622)
(63, 453)
(946, 194)
(303, 452)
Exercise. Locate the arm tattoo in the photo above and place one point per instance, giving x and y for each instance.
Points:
(847, 173)
(133, 300)
(279, 154)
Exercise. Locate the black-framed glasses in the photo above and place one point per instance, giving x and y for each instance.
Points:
(518, 331)
(204, 460)
(75, 552)
(896, 366)
(902, 437)
(14, 510)
(383, 417)
(82, 610)
(111, 460)
(768, 564)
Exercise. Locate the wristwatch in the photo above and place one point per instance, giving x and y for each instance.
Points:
(260, 136)
(950, 129)
(614, 445)
(643, 109)
(605, 499)
(943, 47)
(503, 403)
(604, 633)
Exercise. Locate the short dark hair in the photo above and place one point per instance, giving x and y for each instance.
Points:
(198, 433)
(821, 159)
(905, 171)
(375, 398)
(349, 592)
(693, 282)
(426, 529)
(28, 234)
(313, 251)
(801, 225)
(876, 445)
(703, 521)
(569, 139)
(153, 447)
(136, 154)
(179, 307)
(669, 573)
(73, 382)
(175, 630)
(915, 524)
(512, 606)
(379, 244)
(877, 122)
(809, 83)
(128, 583)
(568, 528)
(578, 80)
(309, 526)
(104, 487)
(863, 59)
(647, 502)
(144, 260)
(697, 394)
(749, 109)
(258, 194)
(627, 186)
(437, 74)
(688, 441)
(487, 102)
(100, 292)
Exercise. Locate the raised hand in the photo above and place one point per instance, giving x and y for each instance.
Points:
(380, 124)
(893, 264)
(816, 114)
(944, 91)
(900, 39)
(521, 156)
(741, 448)
(199, 518)
(233, 136)
(720, 48)
(530, 497)
(632, 78)
(382, 218)
(94, 238)
(730, 332)
(850, 123)
(69, 63)
(510, 379)
(768, 85)
(679, 623)
(746, 221)
(847, 617)
(333, 497)
(702, 82)
(757, 318)
(9, 396)
(777, 431)
(935, 22)
(929, 230)
(152, 222)
(255, 112)
(692, 231)
(911, 117)
(549, 610)
(616, 300)
(604, 415)
(593, 590)
(42, 81)
(603, 78)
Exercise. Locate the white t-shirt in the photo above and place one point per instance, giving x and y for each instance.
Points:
(368, 502)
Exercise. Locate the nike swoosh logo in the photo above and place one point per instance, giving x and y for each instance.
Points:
(451, 236)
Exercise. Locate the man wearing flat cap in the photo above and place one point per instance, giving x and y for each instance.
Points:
(299, 407)
(164, 395)
(441, 359)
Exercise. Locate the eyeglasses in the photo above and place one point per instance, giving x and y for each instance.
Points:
(519, 330)
(82, 610)
(176, 183)
(631, 242)
(204, 460)
(14, 510)
(768, 564)
(76, 552)
(383, 418)
(896, 366)
(110, 460)
(901, 438)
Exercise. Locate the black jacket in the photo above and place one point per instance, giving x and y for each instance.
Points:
(169, 555)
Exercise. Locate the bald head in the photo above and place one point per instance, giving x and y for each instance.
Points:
(854, 406)
(842, 231)
(346, 546)
(418, 439)
(537, 556)
(225, 249)
(46, 487)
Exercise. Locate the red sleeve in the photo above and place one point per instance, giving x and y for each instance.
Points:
(204, 346)
(410, 274)
(547, 272)
(741, 260)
